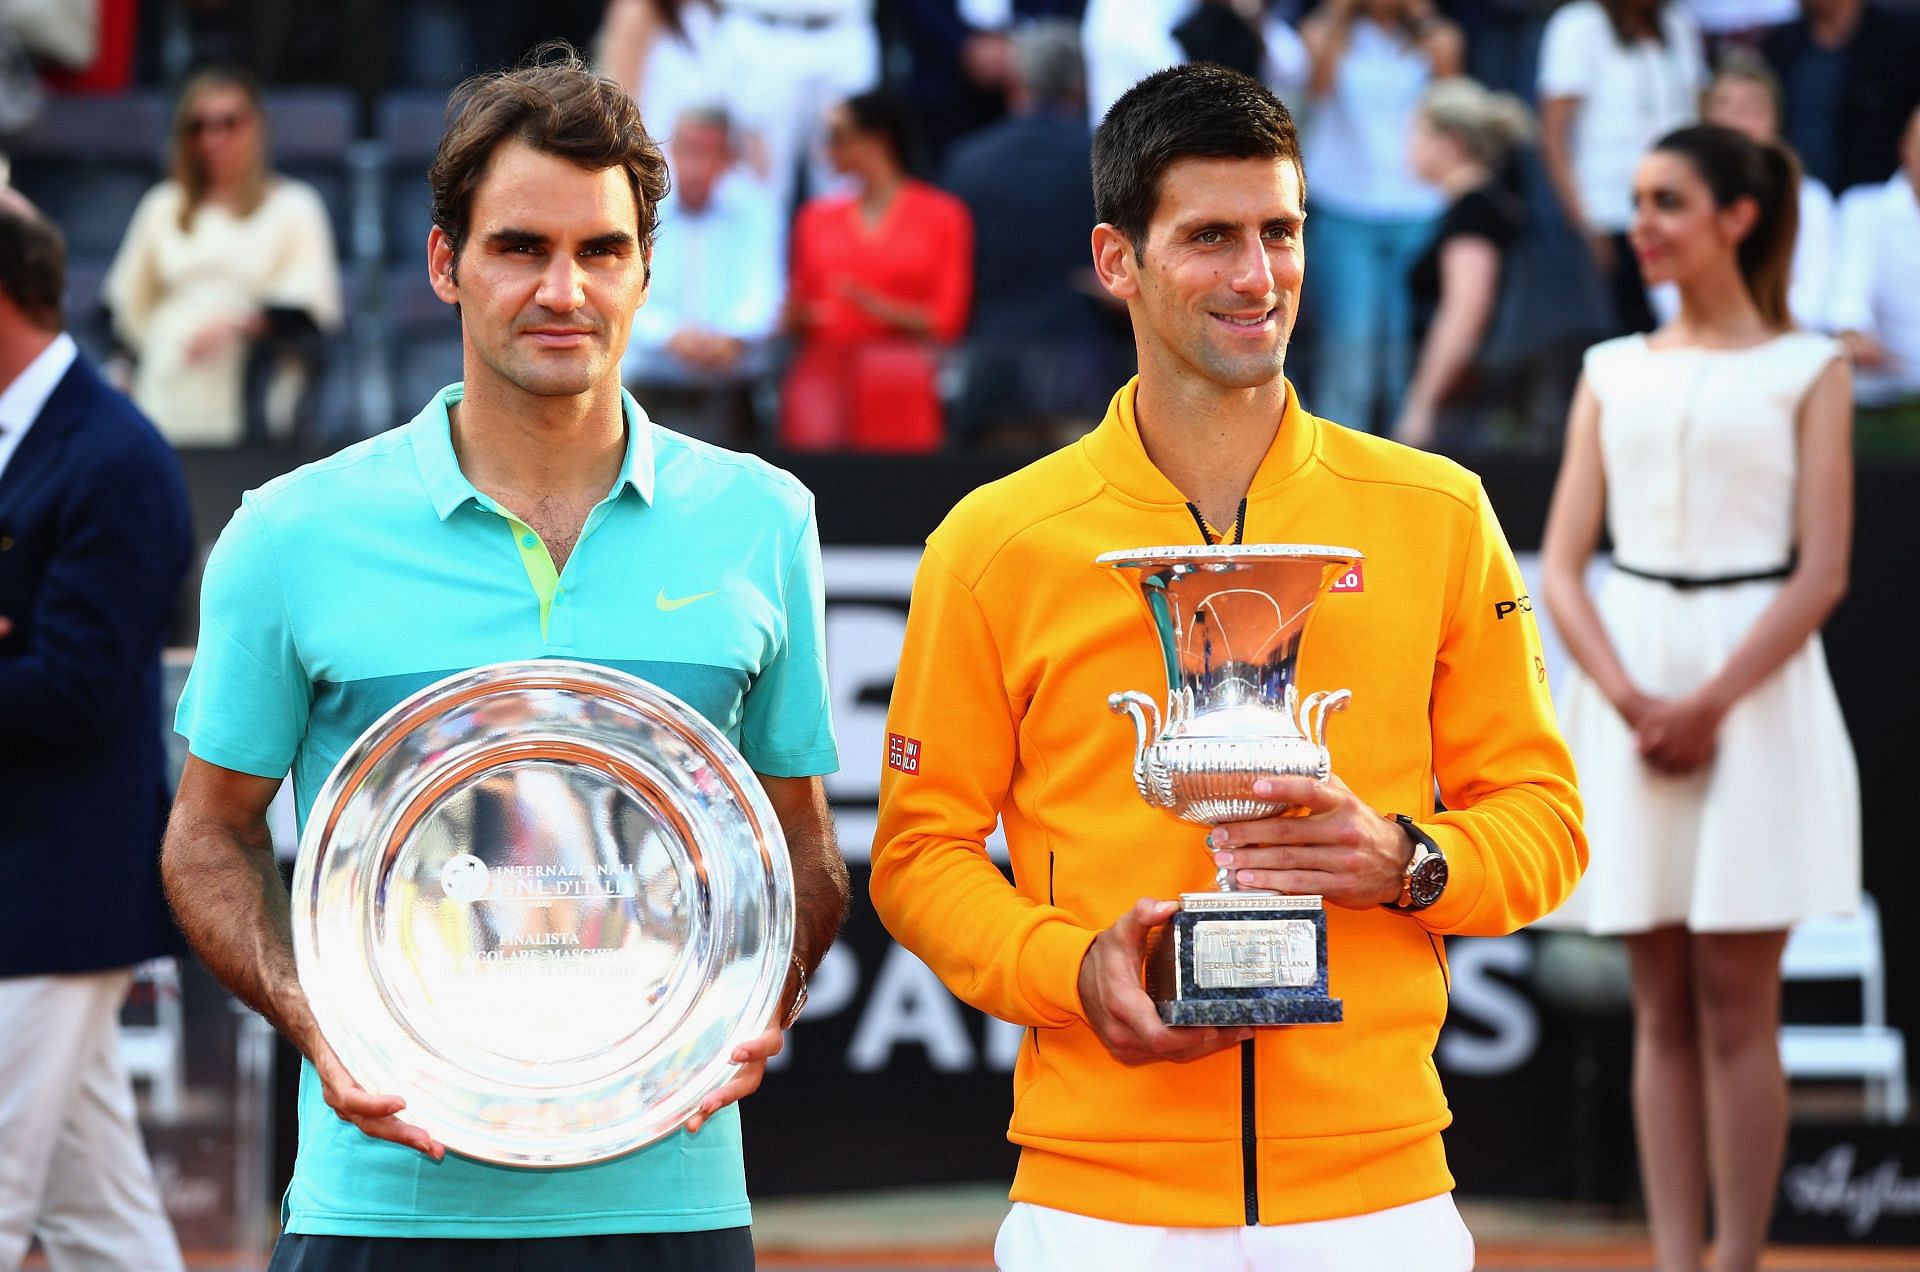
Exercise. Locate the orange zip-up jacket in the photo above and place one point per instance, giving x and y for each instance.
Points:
(1014, 641)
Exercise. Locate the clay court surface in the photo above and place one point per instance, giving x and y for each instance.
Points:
(951, 1230)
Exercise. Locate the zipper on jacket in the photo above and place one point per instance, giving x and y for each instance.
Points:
(1034, 1034)
(1249, 1146)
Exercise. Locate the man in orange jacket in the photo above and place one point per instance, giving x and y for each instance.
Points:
(1145, 1146)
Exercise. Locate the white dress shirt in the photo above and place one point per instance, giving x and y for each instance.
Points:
(720, 270)
(1873, 287)
(22, 401)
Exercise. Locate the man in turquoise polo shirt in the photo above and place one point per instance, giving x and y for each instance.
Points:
(530, 511)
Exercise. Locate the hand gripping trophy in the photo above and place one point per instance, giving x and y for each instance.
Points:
(1230, 619)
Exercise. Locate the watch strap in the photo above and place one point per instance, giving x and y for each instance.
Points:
(1424, 850)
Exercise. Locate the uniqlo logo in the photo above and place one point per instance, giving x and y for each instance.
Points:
(903, 753)
(1351, 581)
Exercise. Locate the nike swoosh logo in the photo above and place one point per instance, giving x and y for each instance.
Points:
(670, 605)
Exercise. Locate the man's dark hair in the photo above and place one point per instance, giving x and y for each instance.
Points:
(1196, 111)
(554, 103)
(33, 264)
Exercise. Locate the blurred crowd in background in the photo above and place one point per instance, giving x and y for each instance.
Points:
(877, 237)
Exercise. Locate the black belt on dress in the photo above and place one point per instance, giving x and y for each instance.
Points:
(1693, 582)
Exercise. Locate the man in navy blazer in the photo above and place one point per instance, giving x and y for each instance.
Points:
(94, 542)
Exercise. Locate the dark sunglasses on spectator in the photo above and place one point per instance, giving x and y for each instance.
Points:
(215, 123)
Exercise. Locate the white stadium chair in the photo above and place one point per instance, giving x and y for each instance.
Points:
(156, 1053)
(1830, 949)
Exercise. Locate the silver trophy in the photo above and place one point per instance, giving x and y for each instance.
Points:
(1230, 619)
(542, 901)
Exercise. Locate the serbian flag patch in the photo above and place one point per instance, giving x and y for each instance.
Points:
(1352, 581)
(903, 753)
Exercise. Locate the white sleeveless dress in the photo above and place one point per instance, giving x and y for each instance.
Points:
(1700, 454)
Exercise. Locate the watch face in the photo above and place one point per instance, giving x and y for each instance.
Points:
(1427, 882)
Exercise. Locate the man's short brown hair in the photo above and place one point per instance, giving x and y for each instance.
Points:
(33, 262)
(554, 103)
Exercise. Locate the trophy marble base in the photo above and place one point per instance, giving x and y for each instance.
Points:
(1242, 958)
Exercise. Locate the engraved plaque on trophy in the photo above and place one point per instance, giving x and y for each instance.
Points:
(543, 902)
(1230, 619)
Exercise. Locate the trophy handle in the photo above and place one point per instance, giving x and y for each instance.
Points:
(1313, 713)
(1146, 727)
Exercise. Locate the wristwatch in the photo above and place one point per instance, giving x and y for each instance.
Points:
(1426, 877)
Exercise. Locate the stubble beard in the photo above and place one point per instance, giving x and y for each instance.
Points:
(538, 377)
(1251, 369)
(1246, 371)
(1205, 354)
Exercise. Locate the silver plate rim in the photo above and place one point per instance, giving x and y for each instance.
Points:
(426, 1109)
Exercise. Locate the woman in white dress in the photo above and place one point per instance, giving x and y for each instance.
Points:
(1720, 787)
(221, 255)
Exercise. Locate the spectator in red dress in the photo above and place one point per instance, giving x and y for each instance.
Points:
(879, 278)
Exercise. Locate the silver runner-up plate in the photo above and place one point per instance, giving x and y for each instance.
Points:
(542, 902)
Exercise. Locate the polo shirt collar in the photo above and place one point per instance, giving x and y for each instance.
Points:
(1121, 457)
(448, 487)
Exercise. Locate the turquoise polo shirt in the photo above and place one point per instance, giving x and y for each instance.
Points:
(347, 584)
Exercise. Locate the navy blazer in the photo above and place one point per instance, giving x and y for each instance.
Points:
(95, 539)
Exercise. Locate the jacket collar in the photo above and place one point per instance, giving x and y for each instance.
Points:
(1118, 453)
